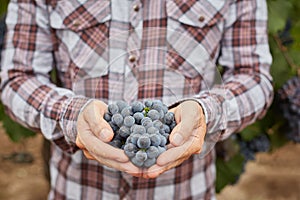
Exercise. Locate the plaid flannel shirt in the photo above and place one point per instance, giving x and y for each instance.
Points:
(134, 50)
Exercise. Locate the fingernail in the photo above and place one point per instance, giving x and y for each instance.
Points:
(177, 139)
(105, 134)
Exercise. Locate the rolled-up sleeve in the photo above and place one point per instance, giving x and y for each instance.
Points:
(28, 94)
(246, 91)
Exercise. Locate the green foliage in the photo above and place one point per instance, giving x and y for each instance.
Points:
(15, 131)
(278, 11)
(286, 61)
(285, 64)
(229, 171)
(3, 6)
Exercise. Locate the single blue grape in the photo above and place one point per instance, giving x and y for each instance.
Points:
(124, 131)
(121, 105)
(167, 129)
(132, 127)
(137, 162)
(165, 109)
(134, 138)
(161, 149)
(152, 130)
(138, 116)
(172, 126)
(129, 121)
(117, 119)
(113, 126)
(137, 106)
(130, 150)
(149, 162)
(155, 139)
(126, 111)
(148, 103)
(116, 143)
(147, 122)
(157, 106)
(152, 152)
(139, 129)
(153, 114)
(169, 118)
(113, 109)
(107, 117)
(144, 141)
(158, 124)
(163, 141)
(141, 155)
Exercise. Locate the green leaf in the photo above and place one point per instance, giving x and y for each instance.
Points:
(280, 69)
(228, 171)
(278, 13)
(15, 131)
(251, 131)
(3, 6)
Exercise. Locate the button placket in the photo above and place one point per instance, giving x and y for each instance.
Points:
(135, 13)
(136, 7)
(201, 18)
(132, 58)
(76, 23)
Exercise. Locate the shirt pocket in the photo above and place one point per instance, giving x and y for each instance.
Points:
(82, 29)
(194, 29)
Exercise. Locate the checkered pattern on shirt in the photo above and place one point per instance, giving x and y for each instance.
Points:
(175, 44)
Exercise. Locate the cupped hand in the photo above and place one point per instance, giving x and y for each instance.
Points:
(186, 138)
(93, 135)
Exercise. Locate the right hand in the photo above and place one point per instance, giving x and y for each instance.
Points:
(93, 135)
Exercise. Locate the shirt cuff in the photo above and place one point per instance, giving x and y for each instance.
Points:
(68, 121)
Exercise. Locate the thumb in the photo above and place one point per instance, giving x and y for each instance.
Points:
(93, 116)
(106, 134)
(188, 116)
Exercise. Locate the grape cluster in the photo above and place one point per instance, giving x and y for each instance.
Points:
(289, 97)
(140, 129)
(259, 143)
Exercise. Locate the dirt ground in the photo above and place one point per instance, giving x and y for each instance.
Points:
(273, 176)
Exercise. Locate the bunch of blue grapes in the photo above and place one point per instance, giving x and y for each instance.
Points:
(260, 143)
(289, 97)
(141, 129)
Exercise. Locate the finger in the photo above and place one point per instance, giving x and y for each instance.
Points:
(173, 155)
(190, 114)
(156, 170)
(98, 148)
(192, 146)
(93, 115)
(79, 143)
(88, 155)
(107, 154)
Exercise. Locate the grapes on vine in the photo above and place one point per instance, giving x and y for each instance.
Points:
(289, 97)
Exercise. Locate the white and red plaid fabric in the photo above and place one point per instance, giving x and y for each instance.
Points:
(134, 50)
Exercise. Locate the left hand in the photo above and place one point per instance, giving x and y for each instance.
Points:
(186, 138)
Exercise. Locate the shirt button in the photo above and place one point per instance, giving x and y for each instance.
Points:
(201, 18)
(76, 23)
(132, 58)
(136, 8)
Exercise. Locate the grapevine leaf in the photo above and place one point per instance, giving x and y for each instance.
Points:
(15, 131)
(278, 12)
(228, 171)
(251, 131)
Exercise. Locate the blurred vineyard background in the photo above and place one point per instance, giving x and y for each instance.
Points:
(278, 128)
